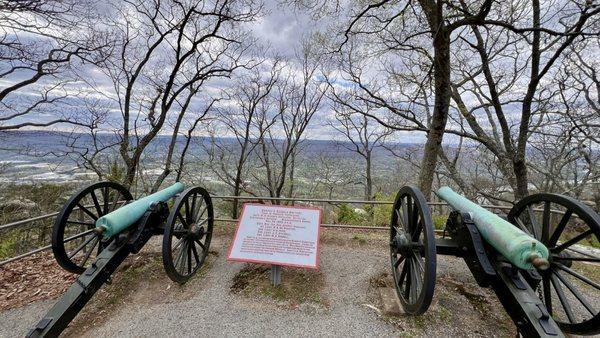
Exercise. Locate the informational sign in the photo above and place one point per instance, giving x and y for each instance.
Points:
(278, 235)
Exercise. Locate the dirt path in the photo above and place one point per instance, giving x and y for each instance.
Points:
(206, 306)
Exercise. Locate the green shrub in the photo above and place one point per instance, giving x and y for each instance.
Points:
(439, 221)
(382, 212)
(347, 215)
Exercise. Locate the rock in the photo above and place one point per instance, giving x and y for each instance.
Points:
(390, 302)
(17, 204)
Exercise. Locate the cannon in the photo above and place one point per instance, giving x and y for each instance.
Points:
(538, 259)
(101, 225)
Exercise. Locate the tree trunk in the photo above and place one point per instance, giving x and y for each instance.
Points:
(520, 168)
(369, 179)
(291, 177)
(236, 192)
(437, 125)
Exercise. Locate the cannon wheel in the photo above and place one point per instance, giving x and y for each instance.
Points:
(412, 250)
(570, 279)
(74, 241)
(187, 234)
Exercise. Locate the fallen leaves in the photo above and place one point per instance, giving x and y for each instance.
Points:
(32, 279)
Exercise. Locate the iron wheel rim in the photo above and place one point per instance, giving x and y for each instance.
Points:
(103, 198)
(187, 236)
(412, 250)
(559, 279)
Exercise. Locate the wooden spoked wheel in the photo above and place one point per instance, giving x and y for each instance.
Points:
(571, 231)
(187, 236)
(74, 241)
(412, 250)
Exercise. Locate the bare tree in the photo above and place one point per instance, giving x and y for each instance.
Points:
(165, 53)
(246, 119)
(334, 175)
(296, 99)
(40, 41)
(363, 138)
(395, 28)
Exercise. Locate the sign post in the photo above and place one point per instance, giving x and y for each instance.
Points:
(277, 235)
(275, 275)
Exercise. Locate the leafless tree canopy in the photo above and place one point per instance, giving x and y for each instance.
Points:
(39, 43)
(502, 96)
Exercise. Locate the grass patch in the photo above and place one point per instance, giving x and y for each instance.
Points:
(449, 312)
(298, 286)
(360, 239)
(439, 221)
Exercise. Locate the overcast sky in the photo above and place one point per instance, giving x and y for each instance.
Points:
(280, 27)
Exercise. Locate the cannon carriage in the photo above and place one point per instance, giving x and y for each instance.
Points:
(102, 224)
(533, 264)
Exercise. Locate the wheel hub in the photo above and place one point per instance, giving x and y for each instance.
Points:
(401, 243)
(197, 232)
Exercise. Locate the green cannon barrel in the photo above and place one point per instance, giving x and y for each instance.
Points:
(120, 219)
(515, 245)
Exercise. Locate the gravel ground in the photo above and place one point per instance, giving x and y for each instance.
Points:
(206, 307)
(214, 311)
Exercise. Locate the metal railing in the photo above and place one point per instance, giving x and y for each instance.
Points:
(323, 201)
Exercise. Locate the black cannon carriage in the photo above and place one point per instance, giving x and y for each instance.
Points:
(101, 225)
(540, 289)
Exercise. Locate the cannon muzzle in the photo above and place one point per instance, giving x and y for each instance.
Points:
(515, 245)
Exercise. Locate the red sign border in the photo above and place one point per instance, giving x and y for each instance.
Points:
(258, 261)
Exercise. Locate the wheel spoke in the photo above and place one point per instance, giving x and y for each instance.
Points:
(562, 298)
(408, 280)
(578, 275)
(200, 214)
(115, 202)
(189, 258)
(180, 258)
(414, 213)
(559, 228)
(201, 245)
(77, 236)
(416, 276)
(533, 222)
(413, 280)
(96, 204)
(87, 211)
(578, 259)
(183, 222)
(522, 226)
(181, 240)
(188, 212)
(195, 251)
(572, 241)
(399, 219)
(87, 256)
(419, 263)
(576, 293)
(417, 232)
(202, 223)
(197, 210)
(80, 247)
(81, 223)
(398, 261)
(105, 198)
(405, 215)
(546, 222)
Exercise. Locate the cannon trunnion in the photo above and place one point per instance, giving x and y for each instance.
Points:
(91, 239)
(537, 267)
